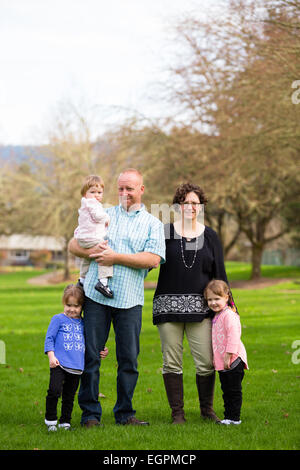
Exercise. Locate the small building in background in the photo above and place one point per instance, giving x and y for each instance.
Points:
(30, 250)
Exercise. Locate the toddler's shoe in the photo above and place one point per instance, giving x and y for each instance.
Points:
(105, 290)
(52, 425)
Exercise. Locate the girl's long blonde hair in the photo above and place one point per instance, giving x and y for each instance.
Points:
(222, 289)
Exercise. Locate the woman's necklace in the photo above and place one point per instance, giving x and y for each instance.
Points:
(182, 254)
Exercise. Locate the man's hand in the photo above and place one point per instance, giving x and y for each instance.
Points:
(142, 260)
(104, 353)
(77, 250)
(104, 255)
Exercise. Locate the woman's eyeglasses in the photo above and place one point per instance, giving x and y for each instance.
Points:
(193, 204)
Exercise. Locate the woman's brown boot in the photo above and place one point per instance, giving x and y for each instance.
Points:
(174, 389)
(205, 386)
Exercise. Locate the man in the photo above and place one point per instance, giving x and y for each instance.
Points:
(135, 244)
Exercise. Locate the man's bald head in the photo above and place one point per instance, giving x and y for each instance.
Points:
(131, 188)
(133, 172)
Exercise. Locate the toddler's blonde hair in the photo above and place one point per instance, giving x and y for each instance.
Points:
(91, 180)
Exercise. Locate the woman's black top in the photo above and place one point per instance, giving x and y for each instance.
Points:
(179, 292)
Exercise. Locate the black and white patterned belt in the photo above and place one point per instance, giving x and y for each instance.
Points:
(180, 303)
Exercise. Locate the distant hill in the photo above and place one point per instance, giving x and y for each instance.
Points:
(20, 153)
(16, 152)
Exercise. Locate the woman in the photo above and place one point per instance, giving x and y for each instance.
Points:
(193, 257)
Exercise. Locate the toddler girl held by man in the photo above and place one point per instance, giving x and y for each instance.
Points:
(92, 228)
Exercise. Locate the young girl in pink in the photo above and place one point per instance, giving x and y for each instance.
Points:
(92, 229)
(229, 353)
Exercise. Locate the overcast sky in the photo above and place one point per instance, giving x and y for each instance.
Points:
(108, 52)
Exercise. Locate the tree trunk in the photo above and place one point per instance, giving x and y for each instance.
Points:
(66, 263)
(257, 237)
(257, 252)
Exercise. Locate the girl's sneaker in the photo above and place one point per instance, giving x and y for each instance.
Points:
(51, 425)
(225, 421)
(52, 428)
(230, 421)
(65, 426)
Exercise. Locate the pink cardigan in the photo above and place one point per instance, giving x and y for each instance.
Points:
(91, 221)
(226, 337)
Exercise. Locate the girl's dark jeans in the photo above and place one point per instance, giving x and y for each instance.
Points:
(63, 384)
(231, 385)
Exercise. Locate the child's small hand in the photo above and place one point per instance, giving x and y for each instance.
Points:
(227, 360)
(53, 361)
(104, 353)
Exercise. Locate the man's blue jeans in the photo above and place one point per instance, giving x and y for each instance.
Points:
(127, 326)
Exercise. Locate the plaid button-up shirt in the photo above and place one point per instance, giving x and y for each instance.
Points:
(129, 232)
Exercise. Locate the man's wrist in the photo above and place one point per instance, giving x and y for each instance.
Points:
(142, 260)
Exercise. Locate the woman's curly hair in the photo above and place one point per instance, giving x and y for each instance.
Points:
(186, 188)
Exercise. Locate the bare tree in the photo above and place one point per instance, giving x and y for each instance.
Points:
(46, 194)
(232, 85)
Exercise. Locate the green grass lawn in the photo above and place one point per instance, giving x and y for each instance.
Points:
(271, 406)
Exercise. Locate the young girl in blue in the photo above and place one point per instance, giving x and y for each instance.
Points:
(64, 345)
